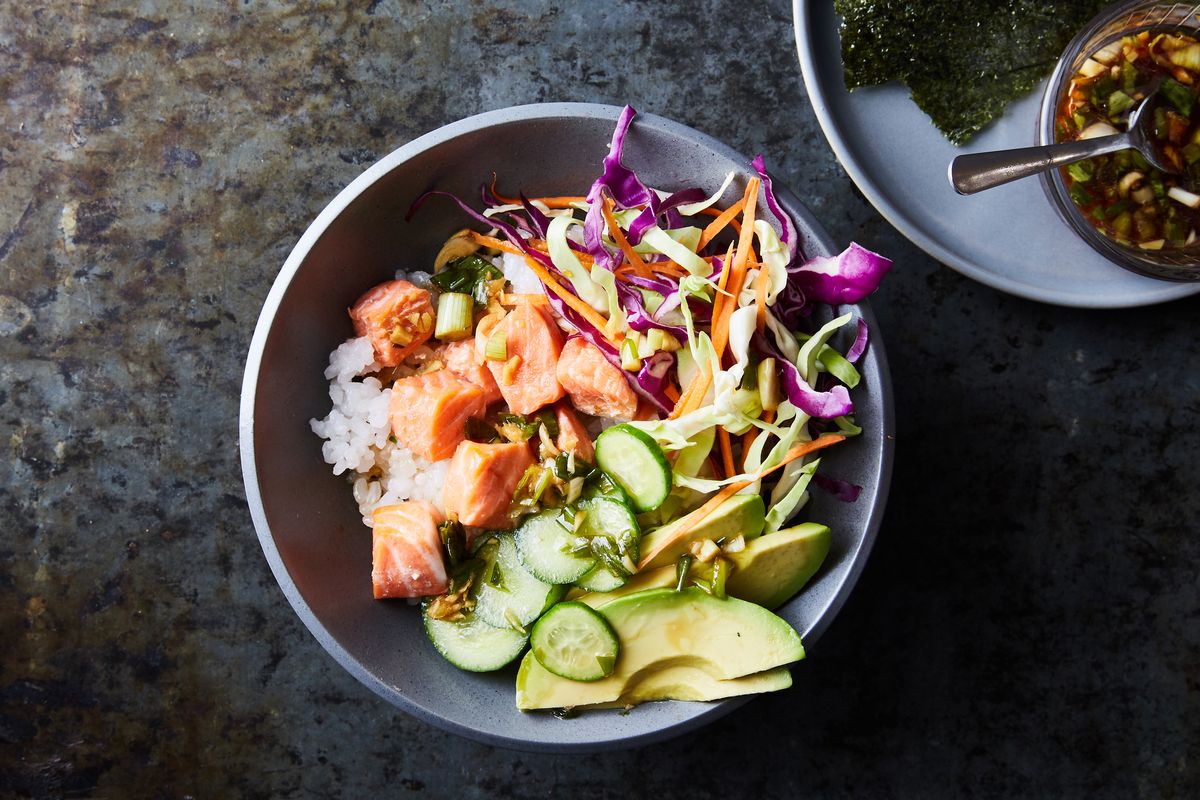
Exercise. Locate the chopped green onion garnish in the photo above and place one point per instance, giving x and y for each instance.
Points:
(654, 340)
(630, 362)
(721, 570)
(682, 567)
(1080, 171)
(1118, 101)
(454, 316)
(497, 347)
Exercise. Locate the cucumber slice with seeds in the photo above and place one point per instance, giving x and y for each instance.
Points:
(515, 597)
(575, 642)
(544, 542)
(637, 464)
(472, 644)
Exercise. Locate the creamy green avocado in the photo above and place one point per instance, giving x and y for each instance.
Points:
(682, 682)
(661, 629)
(742, 514)
(769, 571)
(774, 567)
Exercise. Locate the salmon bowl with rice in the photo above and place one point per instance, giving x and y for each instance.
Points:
(603, 440)
(585, 434)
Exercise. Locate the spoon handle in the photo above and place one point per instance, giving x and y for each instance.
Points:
(978, 171)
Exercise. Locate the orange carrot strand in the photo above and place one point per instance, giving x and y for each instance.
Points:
(696, 517)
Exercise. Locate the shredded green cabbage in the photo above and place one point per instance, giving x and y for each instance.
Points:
(568, 264)
(691, 209)
(806, 361)
(790, 494)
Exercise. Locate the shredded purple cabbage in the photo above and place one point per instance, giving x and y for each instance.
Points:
(860, 343)
(656, 208)
(788, 235)
(845, 278)
(540, 221)
(840, 489)
(821, 405)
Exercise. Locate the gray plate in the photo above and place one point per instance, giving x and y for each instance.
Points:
(306, 519)
(1008, 238)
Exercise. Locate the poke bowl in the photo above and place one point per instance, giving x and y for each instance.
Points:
(309, 521)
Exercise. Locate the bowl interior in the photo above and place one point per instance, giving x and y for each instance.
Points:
(306, 518)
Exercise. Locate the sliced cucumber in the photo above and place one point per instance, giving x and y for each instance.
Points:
(575, 642)
(472, 644)
(603, 486)
(600, 579)
(544, 542)
(604, 516)
(615, 535)
(511, 597)
(636, 463)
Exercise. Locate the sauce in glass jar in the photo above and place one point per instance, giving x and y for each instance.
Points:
(1121, 194)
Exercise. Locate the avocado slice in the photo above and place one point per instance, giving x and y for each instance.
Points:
(774, 567)
(682, 682)
(742, 514)
(662, 628)
(769, 571)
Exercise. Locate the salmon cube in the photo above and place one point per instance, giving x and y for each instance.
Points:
(429, 412)
(596, 387)
(397, 317)
(527, 378)
(571, 433)
(481, 480)
(462, 359)
(406, 551)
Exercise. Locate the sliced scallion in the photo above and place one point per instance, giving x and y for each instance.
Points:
(454, 316)
(630, 362)
(497, 347)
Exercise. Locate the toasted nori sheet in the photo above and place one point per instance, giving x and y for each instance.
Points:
(964, 60)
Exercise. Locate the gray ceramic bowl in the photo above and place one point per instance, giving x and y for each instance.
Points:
(306, 518)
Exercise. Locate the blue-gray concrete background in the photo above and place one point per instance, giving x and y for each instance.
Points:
(1029, 624)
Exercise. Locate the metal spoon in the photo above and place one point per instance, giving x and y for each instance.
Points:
(978, 171)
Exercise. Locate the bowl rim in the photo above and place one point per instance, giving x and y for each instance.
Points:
(265, 321)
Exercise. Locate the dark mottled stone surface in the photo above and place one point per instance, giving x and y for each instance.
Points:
(1028, 626)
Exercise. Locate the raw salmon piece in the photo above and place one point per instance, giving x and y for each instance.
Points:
(480, 482)
(571, 433)
(397, 316)
(406, 551)
(528, 378)
(429, 412)
(461, 359)
(596, 387)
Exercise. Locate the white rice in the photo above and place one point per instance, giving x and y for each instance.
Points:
(357, 431)
(518, 273)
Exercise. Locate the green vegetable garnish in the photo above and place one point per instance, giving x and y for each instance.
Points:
(470, 275)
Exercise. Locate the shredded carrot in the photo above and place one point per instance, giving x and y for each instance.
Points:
(696, 517)
(672, 393)
(693, 395)
(618, 236)
(495, 244)
(712, 212)
(752, 434)
(506, 200)
(551, 283)
(559, 202)
(726, 452)
(718, 224)
(737, 271)
(722, 282)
